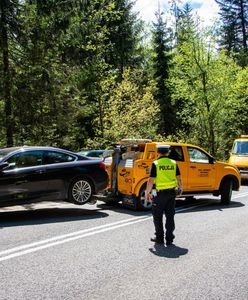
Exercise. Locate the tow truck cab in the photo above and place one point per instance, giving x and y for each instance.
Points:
(239, 155)
(130, 164)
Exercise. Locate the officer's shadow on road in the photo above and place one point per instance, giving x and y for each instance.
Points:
(171, 251)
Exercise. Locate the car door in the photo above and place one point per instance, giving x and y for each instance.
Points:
(201, 170)
(59, 171)
(25, 177)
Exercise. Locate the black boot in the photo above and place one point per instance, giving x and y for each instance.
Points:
(157, 241)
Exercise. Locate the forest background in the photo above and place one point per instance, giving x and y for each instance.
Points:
(83, 74)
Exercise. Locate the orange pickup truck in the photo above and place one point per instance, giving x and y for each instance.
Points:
(130, 164)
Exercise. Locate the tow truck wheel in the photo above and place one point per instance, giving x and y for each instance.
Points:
(226, 191)
(142, 203)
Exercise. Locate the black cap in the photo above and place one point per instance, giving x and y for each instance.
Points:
(163, 149)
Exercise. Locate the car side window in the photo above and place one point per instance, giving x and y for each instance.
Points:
(197, 156)
(53, 157)
(176, 153)
(151, 155)
(25, 159)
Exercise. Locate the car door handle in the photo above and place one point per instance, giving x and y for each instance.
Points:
(193, 167)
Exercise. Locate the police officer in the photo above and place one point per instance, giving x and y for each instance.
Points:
(165, 174)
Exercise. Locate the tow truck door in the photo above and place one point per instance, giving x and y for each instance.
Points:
(201, 171)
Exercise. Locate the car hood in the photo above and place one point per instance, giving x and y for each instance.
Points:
(239, 161)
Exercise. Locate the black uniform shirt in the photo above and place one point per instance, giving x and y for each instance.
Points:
(153, 172)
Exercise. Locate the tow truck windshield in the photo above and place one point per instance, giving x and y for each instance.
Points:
(240, 148)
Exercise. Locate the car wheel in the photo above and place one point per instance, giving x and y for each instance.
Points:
(226, 191)
(80, 191)
(142, 203)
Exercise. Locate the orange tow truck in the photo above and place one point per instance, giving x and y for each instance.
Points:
(129, 167)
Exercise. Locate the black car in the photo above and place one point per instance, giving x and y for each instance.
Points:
(48, 173)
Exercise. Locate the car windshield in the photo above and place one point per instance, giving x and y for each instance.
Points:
(240, 147)
(4, 152)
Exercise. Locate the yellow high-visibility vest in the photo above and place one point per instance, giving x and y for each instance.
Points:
(166, 173)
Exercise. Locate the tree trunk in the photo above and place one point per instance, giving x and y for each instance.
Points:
(243, 21)
(6, 77)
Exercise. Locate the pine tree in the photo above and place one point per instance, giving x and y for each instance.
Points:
(9, 30)
(123, 33)
(234, 30)
(186, 30)
(161, 36)
(185, 24)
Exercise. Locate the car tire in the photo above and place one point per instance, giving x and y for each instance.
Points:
(80, 191)
(226, 191)
(142, 203)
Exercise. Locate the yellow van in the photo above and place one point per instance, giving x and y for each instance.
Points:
(130, 164)
(239, 155)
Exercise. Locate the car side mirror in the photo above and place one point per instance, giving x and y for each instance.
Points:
(212, 160)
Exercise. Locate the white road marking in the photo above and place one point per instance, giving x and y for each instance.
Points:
(65, 238)
(57, 240)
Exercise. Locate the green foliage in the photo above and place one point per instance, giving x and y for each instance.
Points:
(68, 53)
(131, 111)
(77, 74)
(205, 78)
(236, 118)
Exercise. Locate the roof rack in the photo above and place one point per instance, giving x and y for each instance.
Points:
(244, 136)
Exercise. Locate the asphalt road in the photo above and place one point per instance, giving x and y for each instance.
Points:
(61, 251)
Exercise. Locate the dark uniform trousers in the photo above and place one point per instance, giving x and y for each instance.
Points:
(164, 203)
